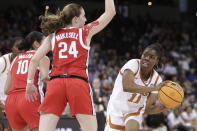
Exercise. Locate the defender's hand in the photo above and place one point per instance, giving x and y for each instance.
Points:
(31, 92)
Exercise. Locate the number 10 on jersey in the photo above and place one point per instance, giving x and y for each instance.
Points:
(71, 51)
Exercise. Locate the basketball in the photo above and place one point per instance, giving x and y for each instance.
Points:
(171, 95)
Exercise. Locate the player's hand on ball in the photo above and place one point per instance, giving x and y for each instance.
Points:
(162, 84)
(31, 92)
(171, 94)
(159, 86)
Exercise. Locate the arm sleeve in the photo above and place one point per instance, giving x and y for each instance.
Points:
(131, 65)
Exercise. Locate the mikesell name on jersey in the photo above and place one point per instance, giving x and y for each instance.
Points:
(26, 56)
(67, 35)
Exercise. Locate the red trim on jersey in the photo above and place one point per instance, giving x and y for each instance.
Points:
(156, 80)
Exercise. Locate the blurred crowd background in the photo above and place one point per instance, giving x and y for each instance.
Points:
(124, 39)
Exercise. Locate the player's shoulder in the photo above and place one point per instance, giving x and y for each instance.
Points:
(69, 29)
(5, 57)
(133, 61)
(132, 64)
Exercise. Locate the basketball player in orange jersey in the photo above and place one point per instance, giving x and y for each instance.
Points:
(5, 62)
(136, 82)
(69, 40)
(19, 111)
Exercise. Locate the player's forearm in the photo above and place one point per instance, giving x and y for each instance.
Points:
(129, 84)
(134, 88)
(155, 109)
(110, 7)
(32, 69)
(44, 68)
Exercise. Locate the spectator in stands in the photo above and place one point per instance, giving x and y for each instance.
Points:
(99, 101)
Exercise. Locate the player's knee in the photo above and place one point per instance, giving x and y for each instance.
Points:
(87, 122)
(132, 128)
(132, 125)
(89, 127)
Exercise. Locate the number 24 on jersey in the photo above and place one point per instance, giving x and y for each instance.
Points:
(71, 51)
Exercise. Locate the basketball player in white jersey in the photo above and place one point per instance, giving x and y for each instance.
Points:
(136, 82)
(5, 62)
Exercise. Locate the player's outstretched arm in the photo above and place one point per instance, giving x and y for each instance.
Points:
(104, 19)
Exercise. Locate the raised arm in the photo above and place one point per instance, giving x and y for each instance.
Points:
(104, 19)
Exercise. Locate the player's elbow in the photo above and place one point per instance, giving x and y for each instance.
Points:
(127, 88)
(46, 79)
(33, 60)
(113, 13)
(110, 14)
